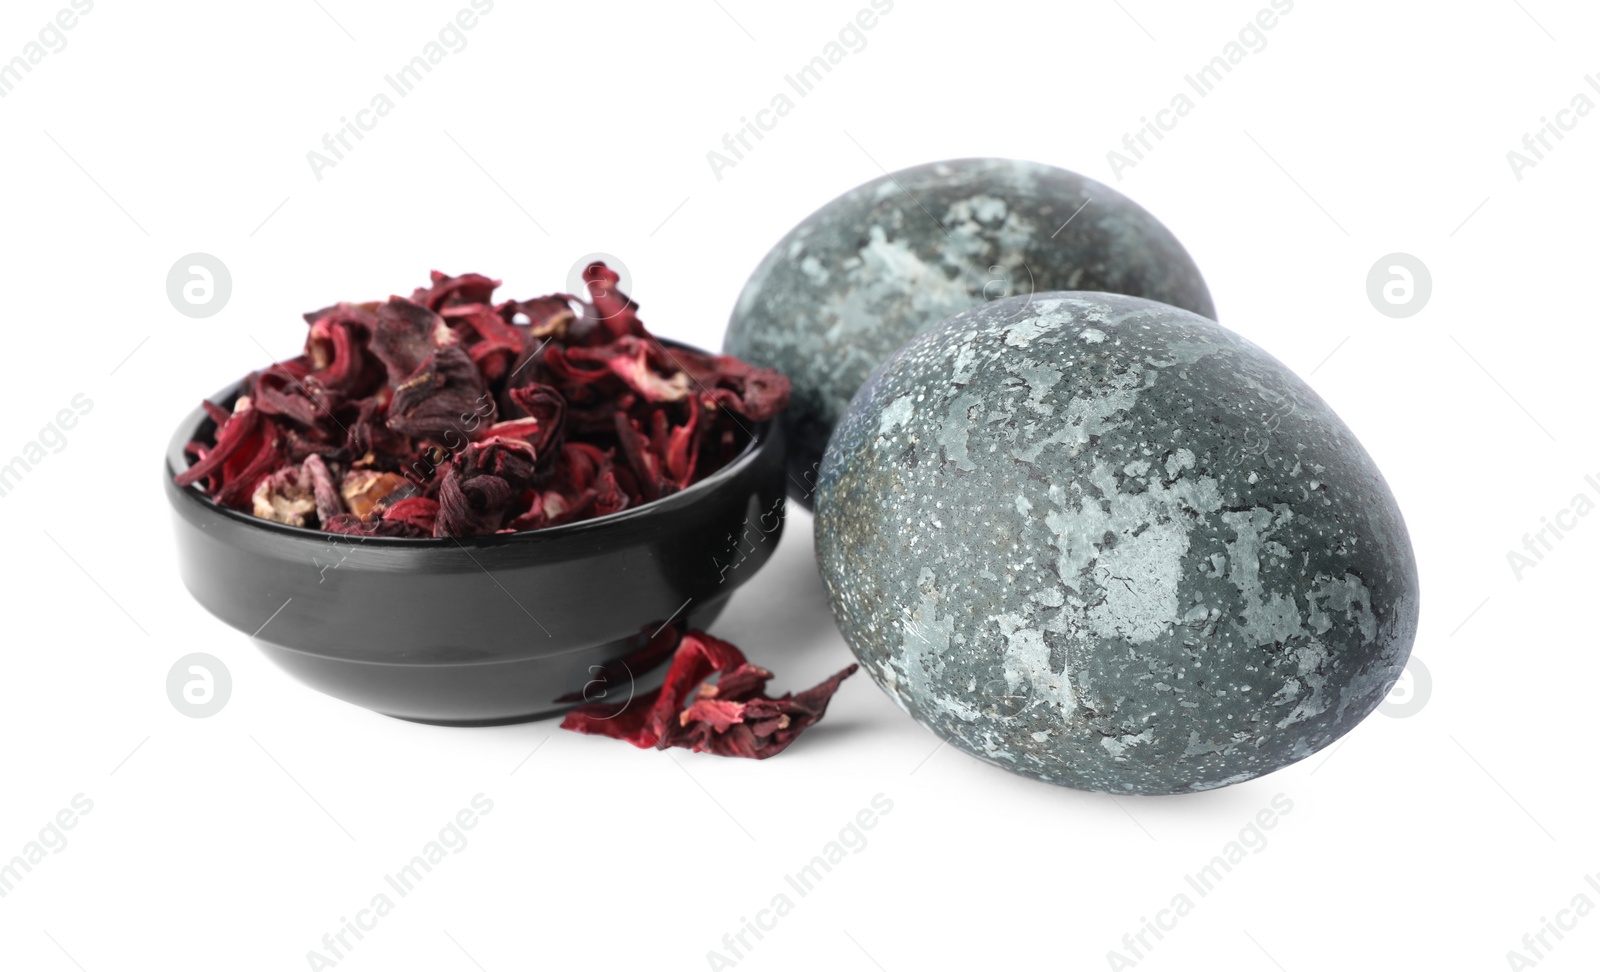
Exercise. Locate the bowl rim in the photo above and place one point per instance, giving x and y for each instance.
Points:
(178, 460)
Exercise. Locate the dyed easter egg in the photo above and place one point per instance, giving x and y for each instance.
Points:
(1110, 544)
(888, 259)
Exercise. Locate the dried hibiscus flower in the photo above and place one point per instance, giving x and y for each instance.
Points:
(446, 414)
(732, 716)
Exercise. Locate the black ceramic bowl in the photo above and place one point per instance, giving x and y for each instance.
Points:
(484, 630)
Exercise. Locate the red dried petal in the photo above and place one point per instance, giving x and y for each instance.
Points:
(765, 727)
(447, 291)
(231, 434)
(757, 394)
(644, 464)
(256, 459)
(335, 347)
(279, 395)
(415, 513)
(739, 685)
(492, 343)
(618, 313)
(642, 722)
(609, 496)
(218, 414)
(548, 316)
(571, 372)
(314, 472)
(406, 334)
(403, 387)
(730, 718)
(633, 360)
(682, 449)
(440, 397)
(542, 421)
(472, 505)
(716, 713)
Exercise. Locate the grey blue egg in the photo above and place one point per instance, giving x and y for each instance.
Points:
(888, 259)
(1110, 544)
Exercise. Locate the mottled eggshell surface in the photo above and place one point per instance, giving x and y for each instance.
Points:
(1110, 544)
(891, 258)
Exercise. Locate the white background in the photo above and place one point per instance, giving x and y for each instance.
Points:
(236, 842)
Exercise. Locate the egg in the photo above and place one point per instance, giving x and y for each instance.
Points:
(1110, 544)
(888, 259)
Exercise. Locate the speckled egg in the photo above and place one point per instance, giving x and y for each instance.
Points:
(891, 258)
(1110, 544)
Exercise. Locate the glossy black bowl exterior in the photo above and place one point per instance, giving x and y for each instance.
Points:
(484, 630)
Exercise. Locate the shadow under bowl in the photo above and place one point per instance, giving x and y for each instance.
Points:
(480, 631)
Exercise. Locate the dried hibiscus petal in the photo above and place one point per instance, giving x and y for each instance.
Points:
(432, 401)
(542, 423)
(447, 291)
(481, 485)
(406, 334)
(731, 717)
(514, 415)
(314, 473)
(232, 433)
(416, 512)
(491, 342)
(543, 316)
(618, 314)
(758, 394)
(335, 347)
(754, 726)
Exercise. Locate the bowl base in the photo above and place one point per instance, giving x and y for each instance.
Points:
(479, 723)
(485, 693)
